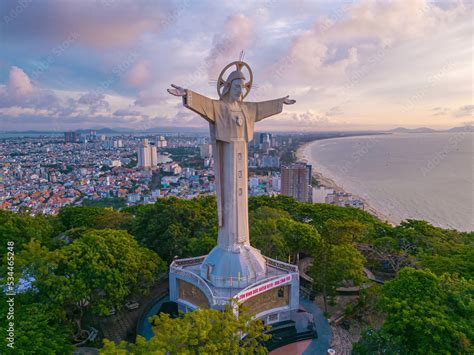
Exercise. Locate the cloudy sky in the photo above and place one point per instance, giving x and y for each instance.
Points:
(350, 64)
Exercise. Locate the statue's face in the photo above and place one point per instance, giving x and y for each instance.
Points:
(236, 88)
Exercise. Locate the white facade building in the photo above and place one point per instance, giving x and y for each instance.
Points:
(147, 155)
(161, 142)
(254, 181)
(276, 183)
(206, 150)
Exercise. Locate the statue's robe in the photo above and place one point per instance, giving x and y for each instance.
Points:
(232, 127)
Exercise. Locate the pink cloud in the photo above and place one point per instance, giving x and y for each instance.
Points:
(19, 84)
(465, 111)
(139, 75)
(236, 36)
(339, 45)
(150, 97)
(95, 101)
(97, 23)
(19, 91)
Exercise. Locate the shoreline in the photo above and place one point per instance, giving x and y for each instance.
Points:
(329, 183)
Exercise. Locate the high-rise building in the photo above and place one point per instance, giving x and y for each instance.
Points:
(71, 137)
(265, 137)
(273, 142)
(276, 183)
(147, 155)
(296, 181)
(153, 155)
(161, 142)
(112, 143)
(265, 141)
(206, 150)
(92, 136)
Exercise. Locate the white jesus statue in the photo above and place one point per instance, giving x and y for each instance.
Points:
(231, 122)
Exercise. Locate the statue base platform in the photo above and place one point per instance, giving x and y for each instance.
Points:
(271, 293)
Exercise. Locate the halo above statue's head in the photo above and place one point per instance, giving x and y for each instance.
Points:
(223, 85)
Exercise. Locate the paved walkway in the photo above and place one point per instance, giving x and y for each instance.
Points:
(342, 341)
(317, 346)
(122, 326)
(322, 343)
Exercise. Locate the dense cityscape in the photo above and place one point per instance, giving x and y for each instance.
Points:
(42, 174)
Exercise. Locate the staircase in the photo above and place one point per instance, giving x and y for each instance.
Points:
(284, 333)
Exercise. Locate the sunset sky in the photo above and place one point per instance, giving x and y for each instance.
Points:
(349, 65)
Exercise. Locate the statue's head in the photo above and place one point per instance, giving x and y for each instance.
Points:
(234, 85)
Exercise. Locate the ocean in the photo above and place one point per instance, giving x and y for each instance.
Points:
(427, 176)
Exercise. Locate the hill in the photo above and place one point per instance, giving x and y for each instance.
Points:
(412, 130)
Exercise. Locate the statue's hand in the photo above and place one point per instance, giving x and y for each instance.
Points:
(288, 101)
(177, 90)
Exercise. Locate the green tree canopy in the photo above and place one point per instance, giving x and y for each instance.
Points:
(36, 329)
(278, 236)
(171, 226)
(299, 237)
(418, 243)
(114, 202)
(21, 228)
(93, 218)
(425, 314)
(205, 331)
(97, 271)
(336, 260)
(318, 214)
(265, 234)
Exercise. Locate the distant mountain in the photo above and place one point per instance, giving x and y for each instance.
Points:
(175, 130)
(100, 130)
(413, 130)
(467, 128)
(121, 130)
(116, 130)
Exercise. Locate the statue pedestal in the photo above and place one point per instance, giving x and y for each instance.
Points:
(269, 290)
(239, 267)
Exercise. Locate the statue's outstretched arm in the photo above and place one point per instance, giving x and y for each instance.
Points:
(269, 108)
(200, 104)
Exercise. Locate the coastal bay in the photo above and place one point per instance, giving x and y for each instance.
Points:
(401, 176)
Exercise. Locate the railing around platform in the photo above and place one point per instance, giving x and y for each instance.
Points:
(235, 282)
(281, 265)
(201, 283)
(179, 268)
(189, 261)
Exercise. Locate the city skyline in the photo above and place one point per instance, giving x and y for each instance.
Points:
(350, 65)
